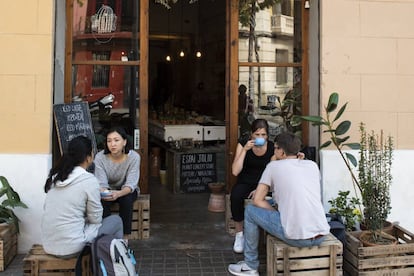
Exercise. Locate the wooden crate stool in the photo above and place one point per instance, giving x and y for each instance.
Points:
(140, 217)
(230, 224)
(37, 262)
(8, 244)
(283, 259)
(230, 227)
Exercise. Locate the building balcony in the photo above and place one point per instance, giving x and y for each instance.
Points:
(282, 25)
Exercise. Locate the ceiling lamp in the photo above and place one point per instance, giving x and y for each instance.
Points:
(167, 3)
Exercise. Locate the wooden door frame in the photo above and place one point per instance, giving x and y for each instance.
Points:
(232, 80)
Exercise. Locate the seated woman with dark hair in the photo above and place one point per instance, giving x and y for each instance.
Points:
(117, 169)
(72, 209)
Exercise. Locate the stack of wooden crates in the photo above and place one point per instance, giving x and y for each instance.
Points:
(140, 217)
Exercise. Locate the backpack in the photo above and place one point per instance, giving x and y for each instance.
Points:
(109, 256)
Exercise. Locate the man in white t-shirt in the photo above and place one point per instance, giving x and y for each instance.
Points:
(300, 219)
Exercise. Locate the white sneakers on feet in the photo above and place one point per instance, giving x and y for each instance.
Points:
(241, 268)
(238, 246)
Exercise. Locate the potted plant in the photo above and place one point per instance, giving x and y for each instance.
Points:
(346, 210)
(375, 178)
(374, 169)
(375, 164)
(12, 200)
(9, 223)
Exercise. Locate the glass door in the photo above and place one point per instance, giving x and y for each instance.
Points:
(106, 61)
(267, 49)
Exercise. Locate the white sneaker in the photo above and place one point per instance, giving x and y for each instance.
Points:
(241, 268)
(238, 246)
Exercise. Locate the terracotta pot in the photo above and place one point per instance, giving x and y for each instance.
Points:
(216, 187)
(386, 226)
(385, 239)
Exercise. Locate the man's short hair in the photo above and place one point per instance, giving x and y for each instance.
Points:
(289, 142)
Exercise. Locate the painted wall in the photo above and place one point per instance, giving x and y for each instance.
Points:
(26, 41)
(366, 56)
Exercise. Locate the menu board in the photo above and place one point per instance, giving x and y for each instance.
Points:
(72, 120)
(197, 170)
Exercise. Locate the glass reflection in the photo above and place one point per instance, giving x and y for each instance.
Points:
(270, 33)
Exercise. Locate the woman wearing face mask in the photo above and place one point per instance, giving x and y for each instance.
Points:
(253, 153)
(117, 169)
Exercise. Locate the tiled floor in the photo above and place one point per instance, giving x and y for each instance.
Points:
(185, 238)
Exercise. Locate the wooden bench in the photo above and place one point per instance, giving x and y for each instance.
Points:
(283, 259)
(37, 262)
(140, 217)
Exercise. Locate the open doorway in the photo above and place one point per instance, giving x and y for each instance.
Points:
(186, 95)
(185, 80)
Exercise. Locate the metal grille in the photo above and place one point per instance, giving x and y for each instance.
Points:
(100, 77)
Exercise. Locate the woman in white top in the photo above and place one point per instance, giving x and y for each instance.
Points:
(72, 209)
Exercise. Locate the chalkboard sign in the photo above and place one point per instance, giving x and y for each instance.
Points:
(72, 120)
(197, 170)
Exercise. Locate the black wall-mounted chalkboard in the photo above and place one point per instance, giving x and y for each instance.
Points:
(72, 120)
(197, 170)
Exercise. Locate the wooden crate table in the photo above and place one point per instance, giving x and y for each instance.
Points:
(8, 244)
(38, 263)
(140, 217)
(283, 259)
(381, 260)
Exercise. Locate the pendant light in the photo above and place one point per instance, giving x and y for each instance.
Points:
(182, 54)
(198, 51)
(168, 57)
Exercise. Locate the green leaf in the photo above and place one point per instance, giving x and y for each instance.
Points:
(343, 127)
(351, 159)
(295, 121)
(341, 110)
(326, 144)
(328, 130)
(354, 146)
(340, 140)
(314, 119)
(333, 102)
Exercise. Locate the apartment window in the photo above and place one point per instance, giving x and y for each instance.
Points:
(281, 72)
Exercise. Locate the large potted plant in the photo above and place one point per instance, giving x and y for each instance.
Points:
(9, 222)
(375, 178)
(374, 168)
(372, 185)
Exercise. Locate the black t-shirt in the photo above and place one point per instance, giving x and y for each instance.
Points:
(253, 165)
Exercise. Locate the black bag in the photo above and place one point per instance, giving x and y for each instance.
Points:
(109, 256)
(338, 230)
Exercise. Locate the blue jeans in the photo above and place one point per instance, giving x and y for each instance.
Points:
(269, 220)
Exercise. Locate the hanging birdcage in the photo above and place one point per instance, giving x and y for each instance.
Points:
(104, 20)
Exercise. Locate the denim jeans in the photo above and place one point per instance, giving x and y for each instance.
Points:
(268, 220)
